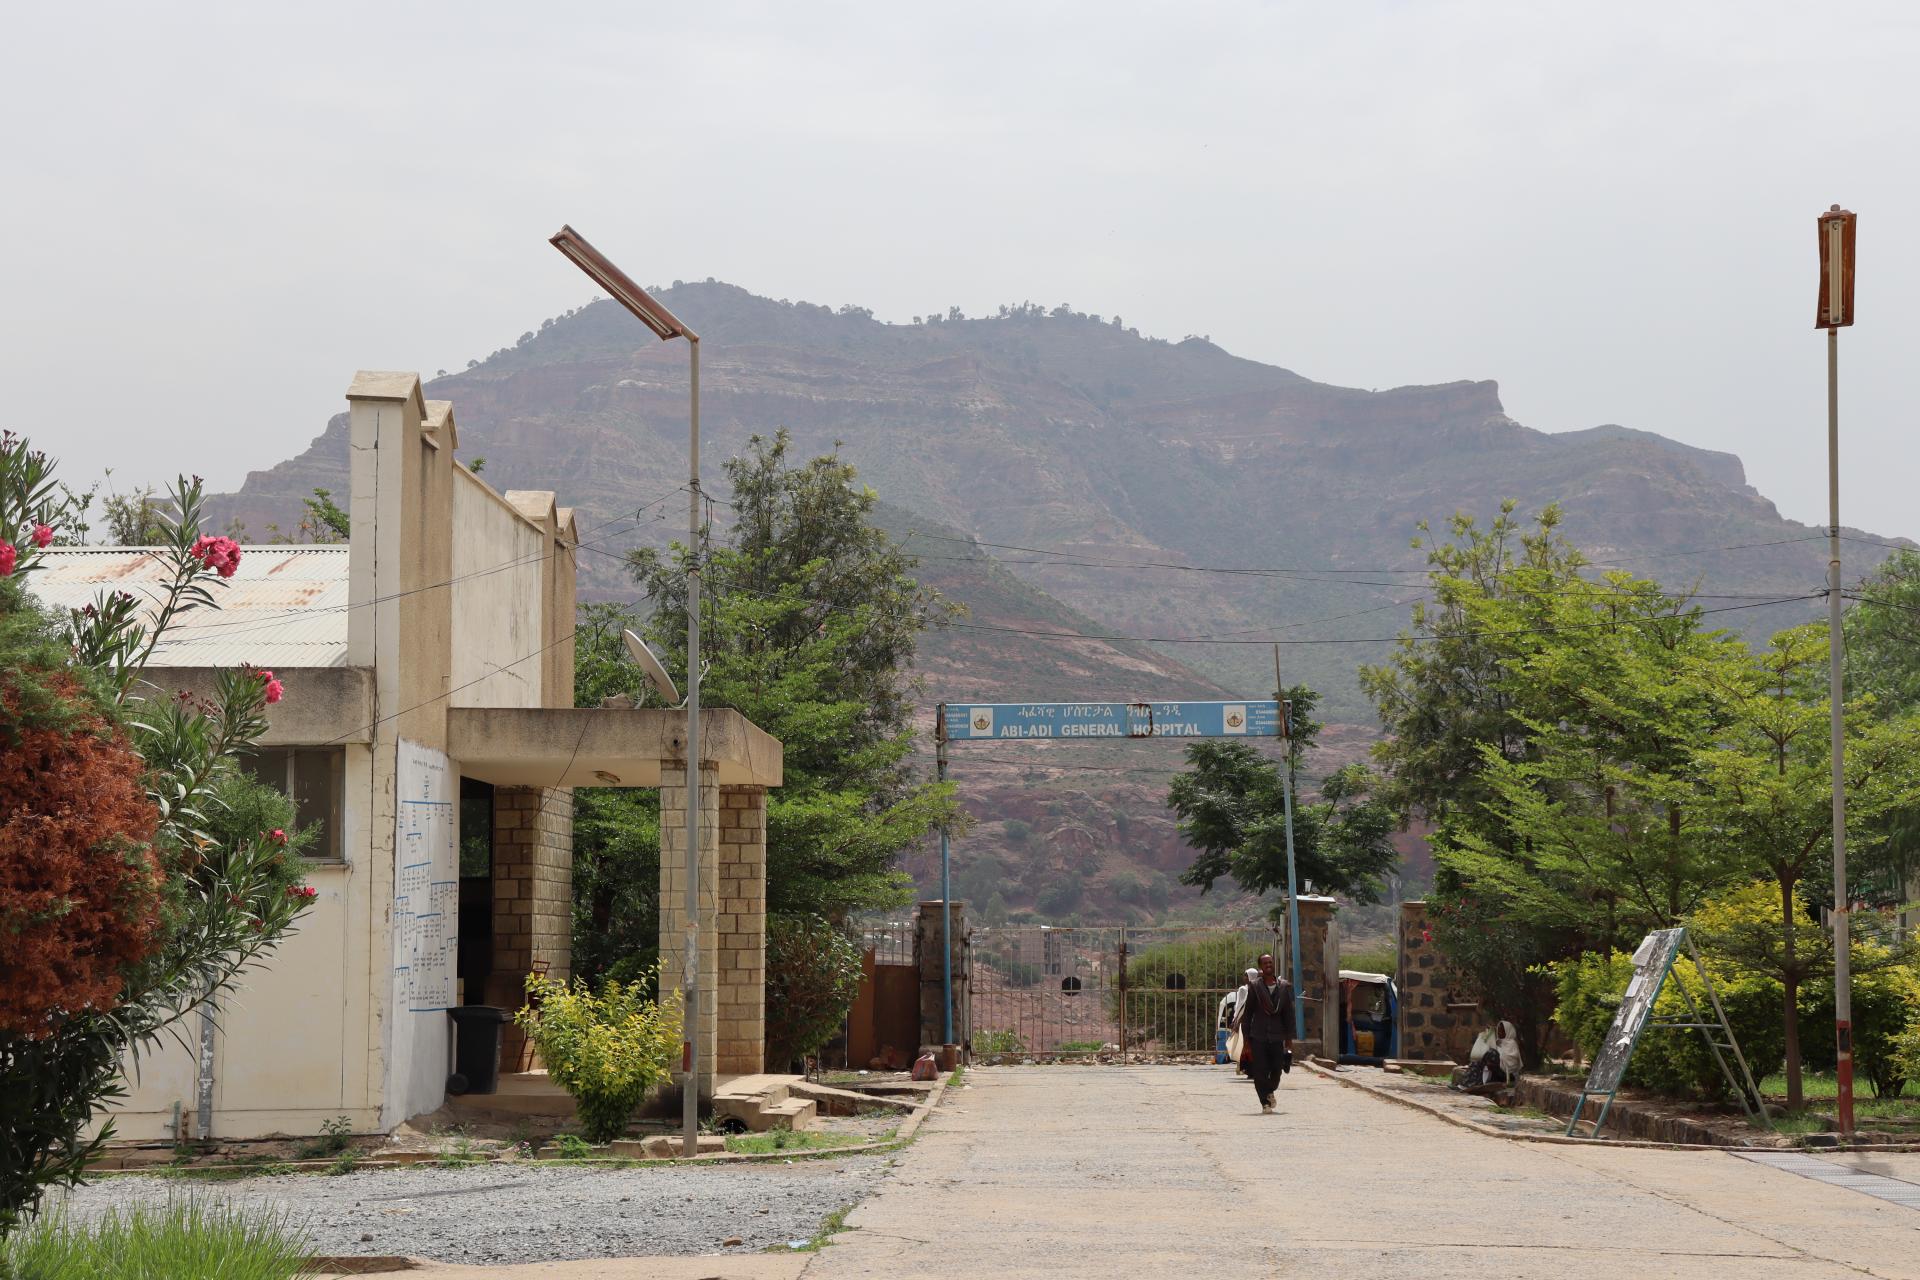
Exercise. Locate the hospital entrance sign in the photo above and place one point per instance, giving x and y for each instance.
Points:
(999, 721)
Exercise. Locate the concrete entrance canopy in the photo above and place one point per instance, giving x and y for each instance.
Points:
(606, 747)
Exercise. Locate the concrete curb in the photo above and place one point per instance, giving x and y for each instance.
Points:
(908, 1127)
(1440, 1113)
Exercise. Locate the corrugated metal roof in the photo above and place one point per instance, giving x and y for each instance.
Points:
(283, 607)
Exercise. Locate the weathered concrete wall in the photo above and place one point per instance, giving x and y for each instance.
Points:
(498, 613)
(322, 704)
(311, 1001)
(1436, 1024)
(741, 920)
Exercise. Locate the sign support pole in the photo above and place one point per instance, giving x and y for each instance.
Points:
(1836, 227)
(1286, 806)
(946, 878)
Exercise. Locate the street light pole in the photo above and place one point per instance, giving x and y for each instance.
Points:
(665, 325)
(1836, 311)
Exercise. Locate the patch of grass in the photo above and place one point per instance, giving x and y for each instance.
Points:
(345, 1163)
(830, 1226)
(183, 1238)
(571, 1146)
(336, 1135)
(227, 1171)
(460, 1154)
(789, 1140)
(992, 1042)
(1528, 1113)
(1082, 1046)
(1822, 1087)
(959, 1074)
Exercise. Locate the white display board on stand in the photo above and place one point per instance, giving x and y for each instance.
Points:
(426, 928)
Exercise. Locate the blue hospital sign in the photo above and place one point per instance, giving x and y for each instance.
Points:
(973, 722)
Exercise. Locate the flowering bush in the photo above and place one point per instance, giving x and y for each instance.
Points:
(606, 1048)
(220, 554)
(139, 875)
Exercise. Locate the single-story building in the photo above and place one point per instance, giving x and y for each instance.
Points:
(428, 728)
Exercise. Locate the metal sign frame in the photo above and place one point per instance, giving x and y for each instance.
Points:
(1077, 721)
(1743, 1085)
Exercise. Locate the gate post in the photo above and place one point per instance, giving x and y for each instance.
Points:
(1122, 1018)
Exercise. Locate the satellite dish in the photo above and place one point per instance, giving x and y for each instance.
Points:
(656, 674)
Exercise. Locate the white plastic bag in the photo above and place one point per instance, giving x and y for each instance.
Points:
(1235, 1045)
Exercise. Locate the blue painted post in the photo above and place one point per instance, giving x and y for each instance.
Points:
(1293, 886)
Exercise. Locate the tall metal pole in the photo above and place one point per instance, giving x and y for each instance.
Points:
(946, 879)
(690, 1103)
(1286, 806)
(1836, 649)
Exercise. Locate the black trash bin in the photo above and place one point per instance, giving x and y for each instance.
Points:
(476, 1048)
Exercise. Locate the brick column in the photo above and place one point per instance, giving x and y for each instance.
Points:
(741, 918)
(532, 897)
(704, 1023)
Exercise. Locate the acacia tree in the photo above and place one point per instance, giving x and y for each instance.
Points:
(810, 622)
(1231, 809)
(129, 893)
(1768, 789)
(1883, 664)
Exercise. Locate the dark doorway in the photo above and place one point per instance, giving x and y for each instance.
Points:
(476, 889)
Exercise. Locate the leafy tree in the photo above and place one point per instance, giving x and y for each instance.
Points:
(1769, 796)
(325, 522)
(1883, 663)
(1545, 723)
(813, 975)
(810, 621)
(1231, 812)
(138, 874)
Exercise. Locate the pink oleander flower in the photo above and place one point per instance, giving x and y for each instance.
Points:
(220, 554)
(8, 556)
(302, 891)
(275, 690)
(42, 534)
(277, 835)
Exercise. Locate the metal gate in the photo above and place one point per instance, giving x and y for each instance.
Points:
(1119, 990)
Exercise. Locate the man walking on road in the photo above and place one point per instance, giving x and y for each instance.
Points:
(1265, 1023)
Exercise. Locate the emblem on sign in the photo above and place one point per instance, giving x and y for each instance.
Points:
(982, 720)
(1235, 719)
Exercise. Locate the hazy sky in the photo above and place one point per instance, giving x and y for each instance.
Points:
(214, 215)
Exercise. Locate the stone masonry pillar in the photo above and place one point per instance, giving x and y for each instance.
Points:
(929, 920)
(1319, 976)
(702, 1023)
(1432, 1028)
(741, 920)
(532, 898)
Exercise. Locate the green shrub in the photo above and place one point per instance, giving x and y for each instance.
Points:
(605, 1048)
(813, 975)
(1886, 997)
(572, 1146)
(186, 1237)
(988, 1043)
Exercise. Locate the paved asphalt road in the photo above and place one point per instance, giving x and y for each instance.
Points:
(1168, 1172)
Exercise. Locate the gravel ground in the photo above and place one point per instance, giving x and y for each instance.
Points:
(528, 1213)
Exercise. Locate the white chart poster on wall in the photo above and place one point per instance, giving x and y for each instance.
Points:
(426, 885)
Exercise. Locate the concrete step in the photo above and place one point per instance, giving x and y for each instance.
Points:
(848, 1102)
